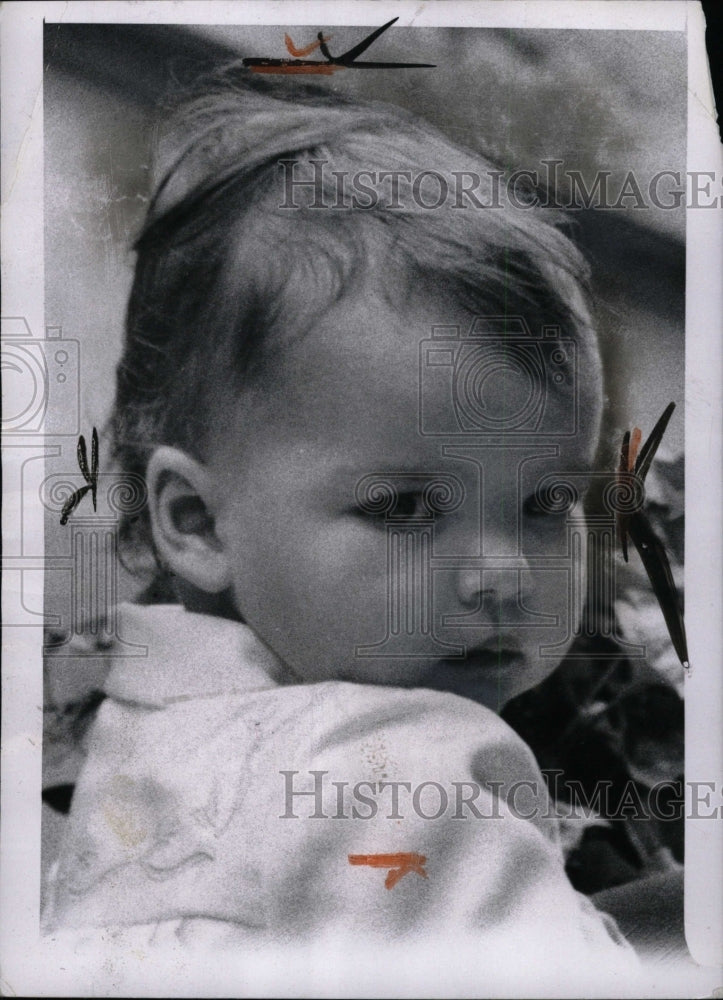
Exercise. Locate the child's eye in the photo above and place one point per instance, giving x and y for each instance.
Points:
(532, 507)
(408, 506)
(554, 501)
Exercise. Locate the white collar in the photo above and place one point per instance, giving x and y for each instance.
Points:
(169, 654)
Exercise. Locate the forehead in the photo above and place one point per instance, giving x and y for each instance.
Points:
(355, 388)
(351, 380)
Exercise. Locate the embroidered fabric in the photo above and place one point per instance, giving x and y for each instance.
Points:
(219, 802)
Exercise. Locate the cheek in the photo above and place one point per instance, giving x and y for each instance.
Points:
(345, 568)
(544, 536)
(564, 591)
(560, 589)
(327, 576)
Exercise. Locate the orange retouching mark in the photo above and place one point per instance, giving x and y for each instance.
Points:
(307, 50)
(398, 864)
(320, 69)
(634, 447)
(628, 455)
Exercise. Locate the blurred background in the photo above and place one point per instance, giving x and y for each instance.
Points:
(611, 101)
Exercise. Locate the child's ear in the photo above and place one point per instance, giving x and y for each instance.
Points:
(180, 499)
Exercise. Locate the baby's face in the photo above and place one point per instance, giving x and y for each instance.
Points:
(317, 574)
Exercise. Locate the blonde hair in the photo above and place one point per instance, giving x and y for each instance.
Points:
(211, 283)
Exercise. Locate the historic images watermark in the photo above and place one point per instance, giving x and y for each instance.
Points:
(552, 186)
(317, 794)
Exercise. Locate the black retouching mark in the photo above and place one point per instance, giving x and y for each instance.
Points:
(347, 60)
(650, 548)
(648, 450)
(59, 797)
(90, 476)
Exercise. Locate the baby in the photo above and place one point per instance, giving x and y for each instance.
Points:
(343, 406)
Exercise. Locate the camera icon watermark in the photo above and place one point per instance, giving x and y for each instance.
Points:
(498, 378)
(40, 380)
(531, 553)
(64, 569)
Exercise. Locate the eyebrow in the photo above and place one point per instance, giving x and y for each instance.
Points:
(384, 467)
(443, 463)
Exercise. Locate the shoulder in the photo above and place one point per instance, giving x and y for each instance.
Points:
(416, 726)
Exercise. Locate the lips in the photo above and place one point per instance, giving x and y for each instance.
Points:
(487, 659)
(487, 674)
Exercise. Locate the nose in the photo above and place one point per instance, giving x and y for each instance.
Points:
(494, 586)
(494, 581)
(470, 591)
